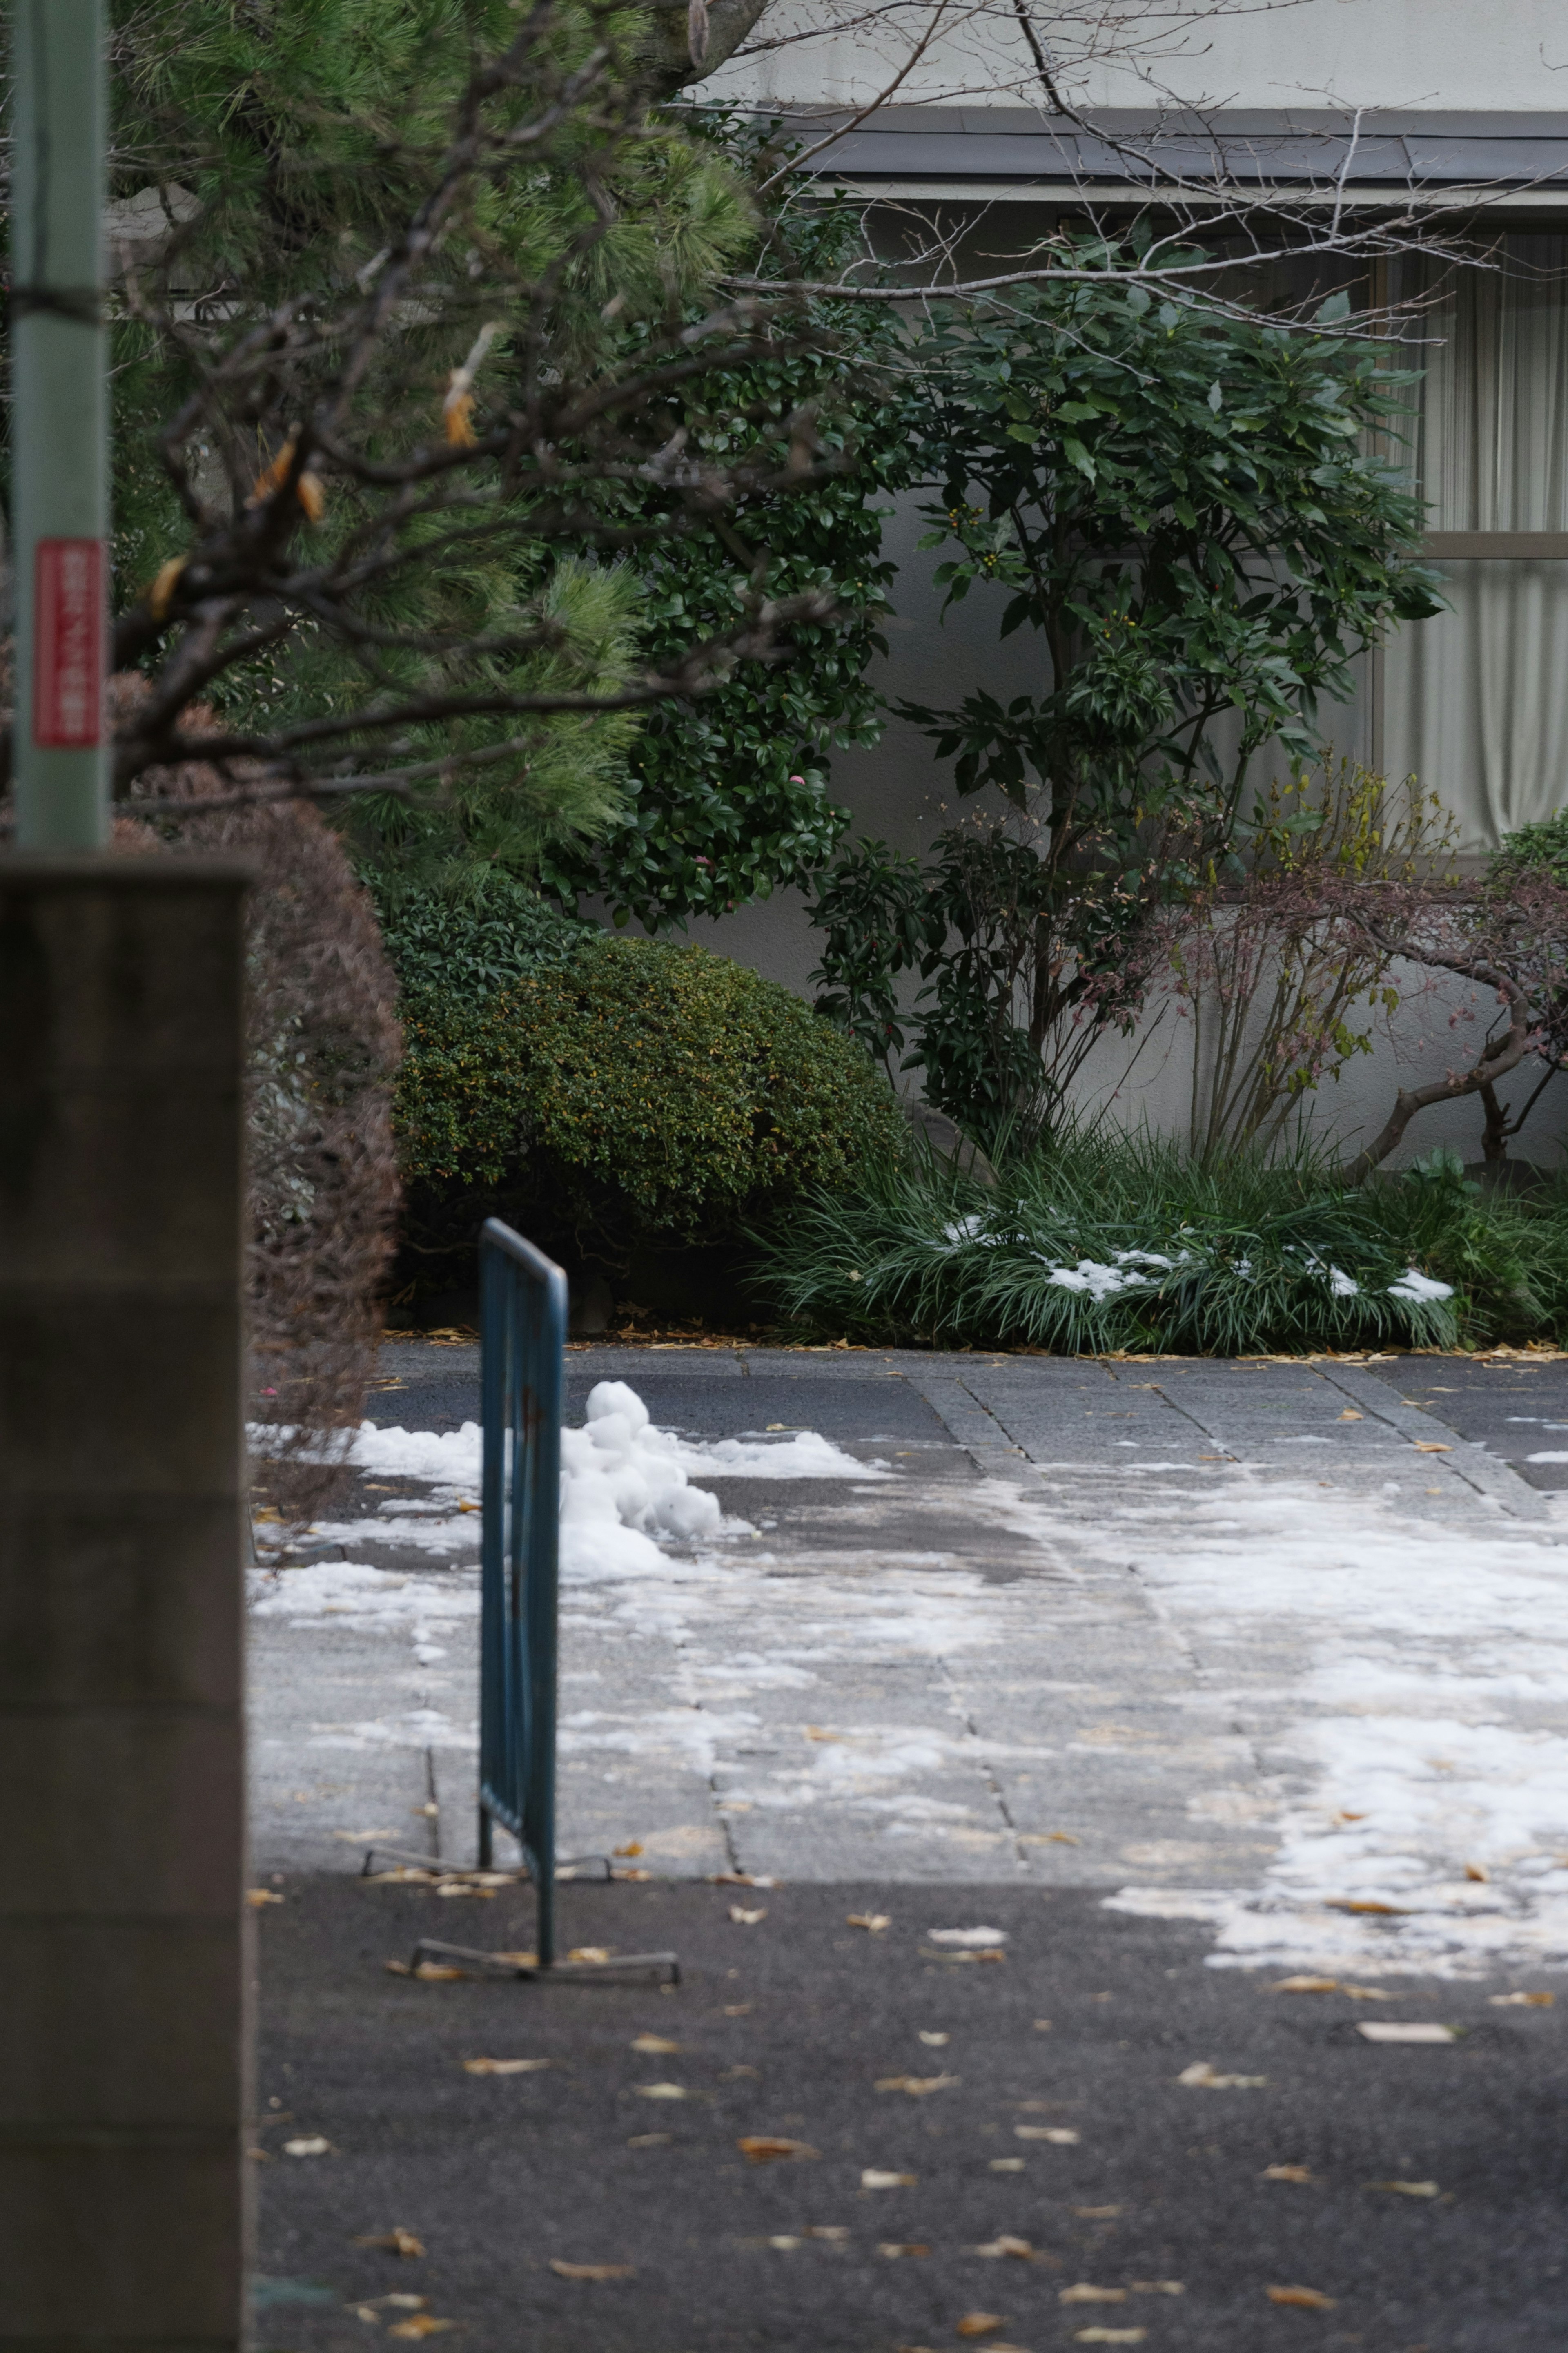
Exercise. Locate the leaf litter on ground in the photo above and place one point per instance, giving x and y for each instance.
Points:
(768, 2149)
(591, 2271)
(396, 2242)
(1303, 2299)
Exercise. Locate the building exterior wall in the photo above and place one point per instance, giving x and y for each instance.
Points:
(1450, 61)
(1409, 54)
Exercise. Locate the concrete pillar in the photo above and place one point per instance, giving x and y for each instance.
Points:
(124, 2026)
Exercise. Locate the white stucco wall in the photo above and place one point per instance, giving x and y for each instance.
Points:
(1393, 54)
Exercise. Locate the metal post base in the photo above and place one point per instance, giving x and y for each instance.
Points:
(519, 1875)
(659, 1968)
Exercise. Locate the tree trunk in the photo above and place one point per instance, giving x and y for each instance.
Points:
(1495, 1062)
(670, 47)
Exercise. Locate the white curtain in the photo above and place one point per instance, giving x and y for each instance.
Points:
(1476, 701)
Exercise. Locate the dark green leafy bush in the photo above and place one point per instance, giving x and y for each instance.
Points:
(632, 1089)
(464, 947)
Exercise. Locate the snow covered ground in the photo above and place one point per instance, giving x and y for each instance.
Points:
(1247, 1651)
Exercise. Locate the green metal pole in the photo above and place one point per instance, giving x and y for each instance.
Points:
(59, 426)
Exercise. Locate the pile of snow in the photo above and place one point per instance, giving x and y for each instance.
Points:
(1100, 1282)
(626, 1486)
(622, 1485)
(1415, 1285)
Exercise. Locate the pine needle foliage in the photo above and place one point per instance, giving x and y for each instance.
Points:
(411, 296)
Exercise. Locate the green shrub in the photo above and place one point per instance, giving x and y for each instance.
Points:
(466, 947)
(632, 1089)
(1109, 1243)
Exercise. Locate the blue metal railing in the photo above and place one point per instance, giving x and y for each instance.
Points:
(522, 1330)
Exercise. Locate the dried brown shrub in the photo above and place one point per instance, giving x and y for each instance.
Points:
(322, 1044)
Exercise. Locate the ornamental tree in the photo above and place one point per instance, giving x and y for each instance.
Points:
(1185, 509)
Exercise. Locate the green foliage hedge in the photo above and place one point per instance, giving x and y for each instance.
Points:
(466, 947)
(1102, 1243)
(632, 1089)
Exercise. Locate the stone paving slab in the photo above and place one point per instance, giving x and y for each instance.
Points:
(988, 1639)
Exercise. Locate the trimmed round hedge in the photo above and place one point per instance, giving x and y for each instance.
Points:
(634, 1090)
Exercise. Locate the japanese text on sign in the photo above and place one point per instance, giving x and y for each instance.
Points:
(68, 644)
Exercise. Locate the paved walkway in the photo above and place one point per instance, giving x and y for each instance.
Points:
(1253, 1645)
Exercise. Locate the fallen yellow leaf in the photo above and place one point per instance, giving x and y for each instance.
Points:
(917, 2086)
(257, 1897)
(1305, 2299)
(1201, 2074)
(873, 2177)
(747, 1919)
(1425, 1446)
(396, 2242)
(765, 2148)
(1349, 1416)
(1478, 1871)
(935, 2041)
(893, 2247)
(661, 2091)
(1159, 2287)
(783, 2245)
(633, 1846)
(1286, 2173)
(1407, 2188)
(1084, 2293)
(1006, 2164)
(505, 2066)
(977, 2324)
(316, 2146)
(1006, 2246)
(1367, 1993)
(159, 595)
(1307, 1985)
(1512, 2000)
(1059, 2135)
(651, 2044)
(420, 2324)
(596, 1954)
(875, 1921)
(590, 2271)
(1104, 2336)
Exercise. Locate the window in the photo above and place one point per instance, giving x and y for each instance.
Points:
(1476, 701)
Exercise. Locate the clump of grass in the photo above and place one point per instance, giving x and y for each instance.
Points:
(1102, 1243)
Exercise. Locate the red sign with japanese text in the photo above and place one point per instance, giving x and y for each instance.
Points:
(68, 644)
